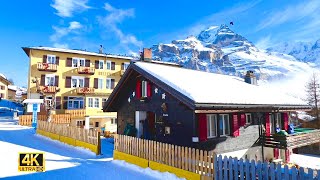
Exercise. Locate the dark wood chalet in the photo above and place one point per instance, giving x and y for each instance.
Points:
(170, 104)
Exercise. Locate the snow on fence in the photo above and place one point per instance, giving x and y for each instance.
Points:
(232, 168)
(26, 120)
(84, 135)
(189, 159)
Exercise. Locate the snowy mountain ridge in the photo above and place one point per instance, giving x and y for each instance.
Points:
(221, 50)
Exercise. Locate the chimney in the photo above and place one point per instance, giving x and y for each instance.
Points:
(250, 78)
(146, 54)
(101, 49)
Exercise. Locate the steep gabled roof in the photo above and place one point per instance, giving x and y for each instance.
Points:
(205, 90)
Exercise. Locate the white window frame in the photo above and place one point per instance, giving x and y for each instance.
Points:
(78, 81)
(144, 85)
(224, 125)
(52, 80)
(108, 83)
(248, 115)
(101, 64)
(51, 59)
(96, 103)
(76, 62)
(90, 102)
(100, 83)
(73, 99)
(108, 63)
(125, 65)
(212, 122)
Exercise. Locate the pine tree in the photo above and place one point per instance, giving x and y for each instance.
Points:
(313, 93)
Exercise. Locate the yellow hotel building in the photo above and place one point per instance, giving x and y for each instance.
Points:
(80, 82)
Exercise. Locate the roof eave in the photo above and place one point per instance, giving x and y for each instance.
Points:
(250, 106)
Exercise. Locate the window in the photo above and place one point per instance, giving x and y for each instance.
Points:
(248, 118)
(48, 101)
(75, 102)
(96, 102)
(2, 87)
(224, 125)
(97, 124)
(144, 89)
(80, 123)
(277, 118)
(113, 120)
(108, 65)
(50, 80)
(51, 59)
(76, 62)
(212, 125)
(108, 86)
(101, 64)
(104, 100)
(100, 83)
(125, 66)
(77, 81)
(90, 102)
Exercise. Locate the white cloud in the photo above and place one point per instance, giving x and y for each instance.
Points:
(74, 25)
(113, 18)
(66, 8)
(61, 32)
(307, 11)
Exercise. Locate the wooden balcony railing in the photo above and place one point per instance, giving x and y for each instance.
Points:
(86, 70)
(48, 89)
(85, 90)
(291, 141)
(47, 67)
(76, 113)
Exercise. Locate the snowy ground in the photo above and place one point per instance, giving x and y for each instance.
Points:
(306, 161)
(63, 161)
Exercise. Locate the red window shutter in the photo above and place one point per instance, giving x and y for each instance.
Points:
(43, 80)
(86, 82)
(285, 120)
(44, 59)
(96, 64)
(202, 119)
(56, 79)
(95, 83)
(112, 83)
(87, 63)
(58, 102)
(287, 155)
(267, 124)
(138, 89)
(68, 82)
(69, 62)
(113, 65)
(276, 153)
(235, 125)
(242, 119)
(122, 66)
(149, 89)
(57, 60)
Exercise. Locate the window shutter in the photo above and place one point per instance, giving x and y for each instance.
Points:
(95, 84)
(138, 89)
(267, 124)
(58, 102)
(68, 82)
(276, 153)
(235, 125)
(65, 102)
(149, 89)
(242, 119)
(57, 60)
(44, 59)
(202, 119)
(122, 66)
(86, 82)
(56, 79)
(112, 83)
(113, 65)
(287, 154)
(285, 118)
(43, 80)
(96, 64)
(87, 63)
(69, 62)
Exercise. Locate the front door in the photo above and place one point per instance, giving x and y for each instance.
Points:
(139, 120)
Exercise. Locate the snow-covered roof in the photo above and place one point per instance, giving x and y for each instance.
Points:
(13, 87)
(2, 75)
(78, 52)
(33, 101)
(203, 87)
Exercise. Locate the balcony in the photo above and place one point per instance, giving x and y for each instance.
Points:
(47, 67)
(85, 90)
(48, 89)
(76, 113)
(86, 70)
(301, 137)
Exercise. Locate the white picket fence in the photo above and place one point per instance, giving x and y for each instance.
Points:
(232, 168)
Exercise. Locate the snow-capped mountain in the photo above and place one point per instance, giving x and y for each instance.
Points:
(221, 50)
(303, 51)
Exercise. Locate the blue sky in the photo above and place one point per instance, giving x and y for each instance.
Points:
(123, 27)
